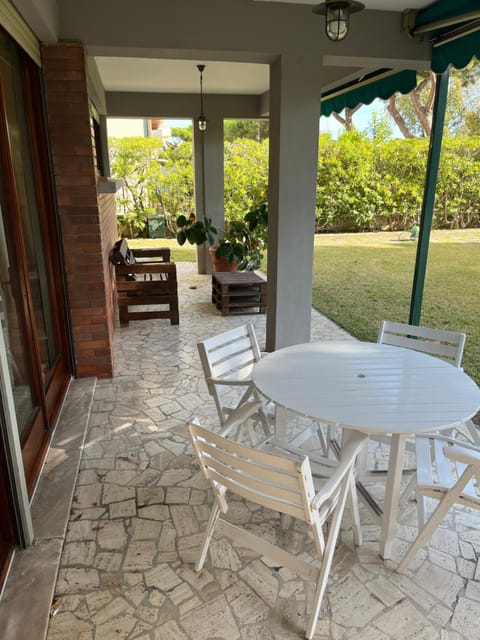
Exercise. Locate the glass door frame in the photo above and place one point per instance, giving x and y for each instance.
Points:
(48, 394)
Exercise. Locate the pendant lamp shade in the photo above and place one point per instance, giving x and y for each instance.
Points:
(337, 16)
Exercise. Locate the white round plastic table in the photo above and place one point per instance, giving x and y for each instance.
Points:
(373, 388)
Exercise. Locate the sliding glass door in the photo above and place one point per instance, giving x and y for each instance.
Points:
(32, 308)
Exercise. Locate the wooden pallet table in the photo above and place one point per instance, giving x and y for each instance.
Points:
(239, 292)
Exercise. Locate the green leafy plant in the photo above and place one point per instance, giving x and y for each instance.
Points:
(233, 246)
(195, 231)
(245, 240)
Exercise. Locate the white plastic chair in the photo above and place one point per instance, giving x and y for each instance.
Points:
(227, 361)
(281, 483)
(447, 345)
(448, 471)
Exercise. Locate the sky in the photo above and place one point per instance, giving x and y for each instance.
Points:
(362, 120)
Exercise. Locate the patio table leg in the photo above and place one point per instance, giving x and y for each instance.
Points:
(392, 494)
(281, 421)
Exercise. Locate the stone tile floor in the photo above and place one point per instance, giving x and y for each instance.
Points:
(140, 507)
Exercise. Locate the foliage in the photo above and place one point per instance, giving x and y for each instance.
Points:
(363, 183)
(472, 122)
(184, 134)
(380, 128)
(245, 129)
(347, 196)
(458, 192)
(414, 110)
(195, 231)
(246, 176)
(245, 240)
(156, 179)
(137, 162)
(233, 245)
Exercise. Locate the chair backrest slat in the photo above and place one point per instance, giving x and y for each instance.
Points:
(240, 341)
(268, 474)
(283, 463)
(232, 335)
(256, 492)
(438, 342)
(226, 349)
(235, 364)
(246, 473)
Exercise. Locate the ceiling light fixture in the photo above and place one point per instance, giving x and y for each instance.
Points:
(337, 16)
(201, 120)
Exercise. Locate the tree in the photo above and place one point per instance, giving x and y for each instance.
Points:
(245, 129)
(472, 122)
(137, 162)
(380, 129)
(155, 178)
(347, 119)
(246, 176)
(413, 112)
(181, 134)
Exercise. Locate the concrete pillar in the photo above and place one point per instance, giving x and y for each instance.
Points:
(212, 173)
(294, 120)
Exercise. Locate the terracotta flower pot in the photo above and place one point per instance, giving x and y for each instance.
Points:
(221, 264)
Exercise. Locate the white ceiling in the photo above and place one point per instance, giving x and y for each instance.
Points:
(181, 76)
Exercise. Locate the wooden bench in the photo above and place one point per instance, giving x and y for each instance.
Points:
(145, 277)
(239, 292)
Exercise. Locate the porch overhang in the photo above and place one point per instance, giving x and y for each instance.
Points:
(382, 83)
(453, 29)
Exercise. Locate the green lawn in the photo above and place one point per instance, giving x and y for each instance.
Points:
(187, 253)
(360, 279)
(358, 286)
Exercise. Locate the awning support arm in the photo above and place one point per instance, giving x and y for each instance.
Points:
(431, 177)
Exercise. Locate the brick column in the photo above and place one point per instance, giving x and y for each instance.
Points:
(88, 227)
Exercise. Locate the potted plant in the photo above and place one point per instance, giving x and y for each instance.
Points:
(195, 231)
(257, 222)
(242, 245)
(199, 231)
(230, 252)
(245, 240)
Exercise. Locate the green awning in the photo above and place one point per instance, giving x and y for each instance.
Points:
(455, 43)
(379, 84)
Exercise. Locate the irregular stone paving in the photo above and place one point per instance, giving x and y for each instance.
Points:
(141, 505)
